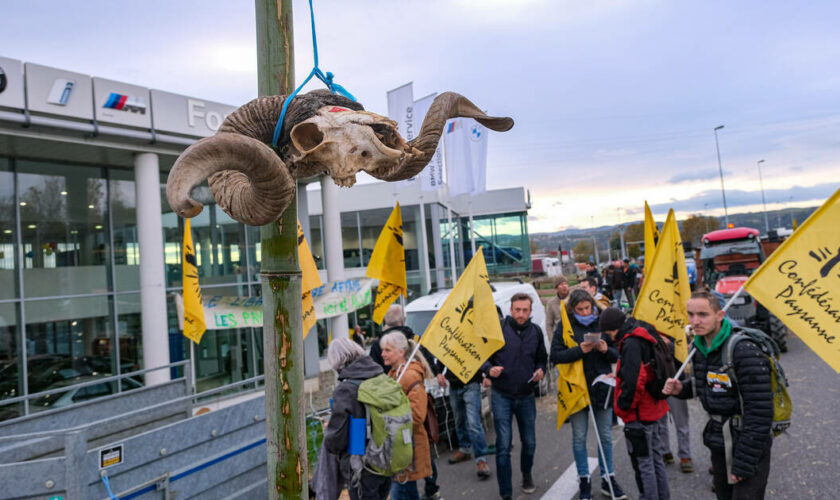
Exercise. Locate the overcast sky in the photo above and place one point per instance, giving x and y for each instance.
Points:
(615, 101)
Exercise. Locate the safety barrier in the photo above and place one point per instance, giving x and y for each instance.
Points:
(220, 454)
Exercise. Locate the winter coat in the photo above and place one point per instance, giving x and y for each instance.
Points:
(618, 279)
(522, 354)
(552, 312)
(594, 362)
(345, 405)
(752, 369)
(632, 400)
(422, 463)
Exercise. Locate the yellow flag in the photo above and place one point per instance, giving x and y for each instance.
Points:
(387, 264)
(194, 325)
(572, 392)
(466, 330)
(800, 282)
(651, 236)
(795, 224)
(310, 280)
(665, 291)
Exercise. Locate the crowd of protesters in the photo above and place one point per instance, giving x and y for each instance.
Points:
(619, 356)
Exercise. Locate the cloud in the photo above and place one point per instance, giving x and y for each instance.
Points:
(711, 199)
(697, 175)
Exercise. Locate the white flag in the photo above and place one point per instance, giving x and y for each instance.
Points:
(431, 178)
(401, 110)
(465, 146)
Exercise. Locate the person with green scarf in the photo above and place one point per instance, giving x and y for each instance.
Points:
(738, 432)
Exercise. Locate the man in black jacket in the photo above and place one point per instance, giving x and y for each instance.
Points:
(738, 432)
(513, 370)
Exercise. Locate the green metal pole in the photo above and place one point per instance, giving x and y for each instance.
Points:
(281, 283)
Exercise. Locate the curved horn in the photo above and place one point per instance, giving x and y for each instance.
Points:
(248, 180)
(445, 106)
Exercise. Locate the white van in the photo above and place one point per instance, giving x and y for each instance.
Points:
(419, 312)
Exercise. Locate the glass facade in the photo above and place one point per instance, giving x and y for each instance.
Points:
(70, 303)
(70, 281)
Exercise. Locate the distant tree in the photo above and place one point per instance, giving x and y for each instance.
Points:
(634, 232)
(695, 226)
(634, 251)
(534, 247)
(615, 242)
(583, 250)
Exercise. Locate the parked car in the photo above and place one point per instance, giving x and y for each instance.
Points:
(419, 312)
(60, 399)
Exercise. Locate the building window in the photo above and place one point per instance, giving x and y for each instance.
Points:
(64, 228)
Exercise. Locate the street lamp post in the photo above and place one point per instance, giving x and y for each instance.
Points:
(761, 183)
(720, 169)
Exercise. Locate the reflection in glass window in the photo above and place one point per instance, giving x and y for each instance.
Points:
(350, 240)
(254, 251)
(224, 355)
(11, 384)
(219, 247)
(67, 338)
(63, 212)
(129, 332)
(316, 243)
(8, 228)
(121, 190)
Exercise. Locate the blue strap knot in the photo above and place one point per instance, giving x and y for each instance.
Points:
(316, 71)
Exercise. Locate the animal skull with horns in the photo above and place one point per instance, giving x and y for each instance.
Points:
(322, 133)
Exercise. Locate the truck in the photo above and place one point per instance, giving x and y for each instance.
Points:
(727, 258)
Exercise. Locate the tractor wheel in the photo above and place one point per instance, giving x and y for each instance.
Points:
(778, 331)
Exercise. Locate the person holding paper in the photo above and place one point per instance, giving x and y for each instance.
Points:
(740, 408)
(351, 363)
(598, 355)
(640, 410)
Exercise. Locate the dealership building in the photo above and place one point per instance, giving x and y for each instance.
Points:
(90, 251)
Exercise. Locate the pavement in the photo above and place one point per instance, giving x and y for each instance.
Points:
(802, 460)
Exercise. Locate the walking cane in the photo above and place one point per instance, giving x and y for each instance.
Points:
(601, 450)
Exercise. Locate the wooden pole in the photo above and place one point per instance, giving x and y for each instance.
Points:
(281, 283)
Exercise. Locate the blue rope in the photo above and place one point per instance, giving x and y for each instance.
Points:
(316, 71)
(108, 486)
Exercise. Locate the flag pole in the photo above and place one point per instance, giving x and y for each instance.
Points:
(280, 275)
(601, 450)
(408, 361)
(694, 349)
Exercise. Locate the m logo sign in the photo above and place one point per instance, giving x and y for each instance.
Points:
(124, 102)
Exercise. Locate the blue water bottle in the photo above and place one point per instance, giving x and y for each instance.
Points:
(357, 439)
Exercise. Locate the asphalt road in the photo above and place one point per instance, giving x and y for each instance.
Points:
(803, 463)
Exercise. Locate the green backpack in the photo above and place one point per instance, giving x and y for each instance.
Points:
(782, 405)
(390, 447)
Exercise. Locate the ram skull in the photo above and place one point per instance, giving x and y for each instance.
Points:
(322, 133)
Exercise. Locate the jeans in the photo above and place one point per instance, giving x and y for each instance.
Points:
(525, 411)
(466, 405)
(751, 488)
(679, 412)
(404, 491)
(580, 426)
(646, 456)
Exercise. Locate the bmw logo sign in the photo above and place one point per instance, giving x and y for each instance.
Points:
(475, 132)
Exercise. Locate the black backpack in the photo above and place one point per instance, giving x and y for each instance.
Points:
(663, 366)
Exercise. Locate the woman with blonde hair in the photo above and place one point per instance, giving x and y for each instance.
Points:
(395, 352)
